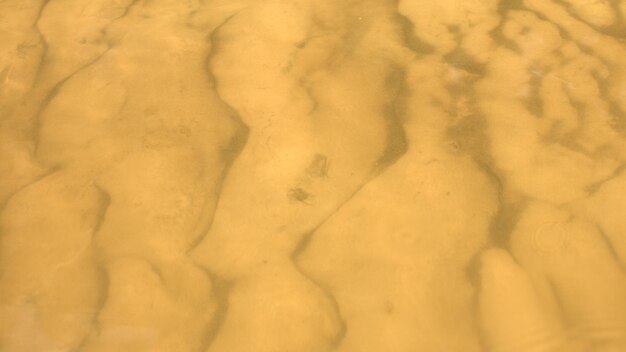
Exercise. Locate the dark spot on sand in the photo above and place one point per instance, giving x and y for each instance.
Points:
(300, 195)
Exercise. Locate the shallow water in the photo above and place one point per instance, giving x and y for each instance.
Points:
(312, 176)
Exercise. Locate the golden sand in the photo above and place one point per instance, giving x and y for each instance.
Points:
(312, 176)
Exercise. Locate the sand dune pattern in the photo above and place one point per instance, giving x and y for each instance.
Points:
(312, 176)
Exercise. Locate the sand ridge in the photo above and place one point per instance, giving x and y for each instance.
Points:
(308, 176)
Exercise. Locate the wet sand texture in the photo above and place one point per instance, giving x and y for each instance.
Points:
(312, 176)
